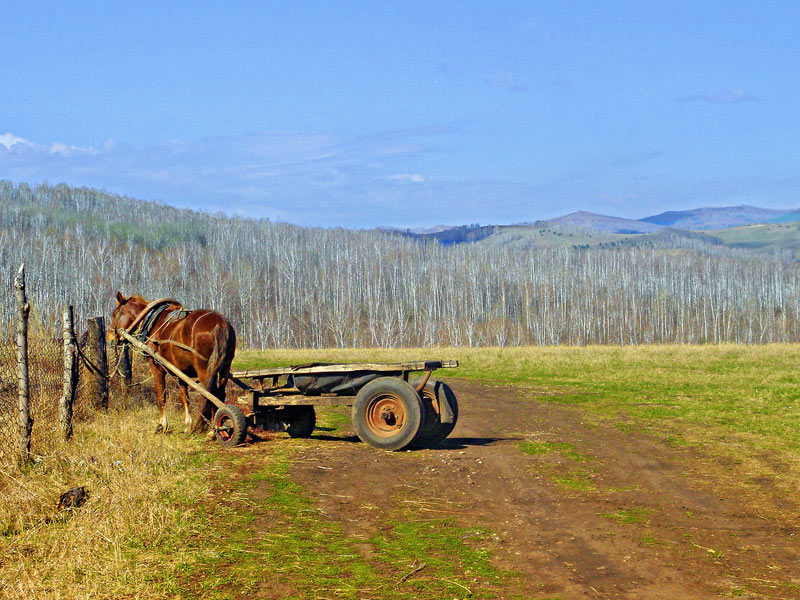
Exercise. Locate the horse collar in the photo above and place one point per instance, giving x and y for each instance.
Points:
(150, 320)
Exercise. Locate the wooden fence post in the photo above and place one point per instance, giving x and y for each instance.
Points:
(23, 382)
(70, 374)
(125, 367)
(96, 347)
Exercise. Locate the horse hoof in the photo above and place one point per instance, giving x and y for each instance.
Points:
(159, 428)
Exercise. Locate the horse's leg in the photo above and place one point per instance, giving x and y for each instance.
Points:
(187, 418)
(159, 379)
(203, 418)
(206, 408)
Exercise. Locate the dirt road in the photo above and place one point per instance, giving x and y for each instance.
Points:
(592, 511)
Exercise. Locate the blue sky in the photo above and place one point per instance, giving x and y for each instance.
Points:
(407, 113)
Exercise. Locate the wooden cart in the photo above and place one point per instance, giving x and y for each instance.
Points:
(390, 410)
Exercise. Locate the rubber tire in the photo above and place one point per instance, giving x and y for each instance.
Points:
(403, 393)
(236, 418)
(434, 431)
(302, 421)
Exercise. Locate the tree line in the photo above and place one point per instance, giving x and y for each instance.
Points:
(288, 286)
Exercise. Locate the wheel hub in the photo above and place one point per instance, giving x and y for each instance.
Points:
(385, 415)
(224, 428)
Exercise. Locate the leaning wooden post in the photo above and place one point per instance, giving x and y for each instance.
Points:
(70, 374)
(23, 382)
(125, 369)
(96, 347)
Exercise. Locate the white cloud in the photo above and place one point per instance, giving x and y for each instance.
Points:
(9, 139)
(65, 150)
(412, 177)
(20, 144)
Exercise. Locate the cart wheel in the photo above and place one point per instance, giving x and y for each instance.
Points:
(230, 426)
(302, 420)
(433, 395)
(387, 414)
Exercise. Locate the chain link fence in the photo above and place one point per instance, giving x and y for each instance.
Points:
(45, 371)
(8, 404)
(46, 381)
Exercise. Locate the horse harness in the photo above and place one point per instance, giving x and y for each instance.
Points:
(149, 321)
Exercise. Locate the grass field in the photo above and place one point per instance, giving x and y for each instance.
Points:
(172, 516)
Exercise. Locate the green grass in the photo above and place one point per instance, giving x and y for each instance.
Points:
(577, 481)
(563, 448)
(650, 540)
(629, 516)
(763, 237)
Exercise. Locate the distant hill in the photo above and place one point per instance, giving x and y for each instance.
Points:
(716, 217)
(421, 230)
(590, 220)
(789, 217)
(762, 237)
(451, 235)
(540, 234)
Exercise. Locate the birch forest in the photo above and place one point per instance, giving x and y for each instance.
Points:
(287, 286)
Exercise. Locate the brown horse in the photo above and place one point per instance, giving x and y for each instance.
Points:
(201, 343)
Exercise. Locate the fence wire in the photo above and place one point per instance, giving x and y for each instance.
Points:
(141, 391)
(8, 404)
(45, 370)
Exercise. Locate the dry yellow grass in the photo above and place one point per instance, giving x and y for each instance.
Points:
(143, 490)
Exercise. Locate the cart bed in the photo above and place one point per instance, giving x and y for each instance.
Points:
(323, 368)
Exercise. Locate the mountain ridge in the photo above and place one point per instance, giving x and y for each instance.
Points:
(695, 219)
(733, 226)
(716, 217)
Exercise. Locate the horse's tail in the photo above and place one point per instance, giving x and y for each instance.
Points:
(219, 357)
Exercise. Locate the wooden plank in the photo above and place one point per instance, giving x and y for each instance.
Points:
(240, 383)
(421, 365)
(306, 400)
(171, 368)
(256, 399)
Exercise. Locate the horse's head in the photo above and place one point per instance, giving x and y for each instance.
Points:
(124, 313)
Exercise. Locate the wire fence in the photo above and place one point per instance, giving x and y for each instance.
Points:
(46, 373)
(45, 368)
(8, 404)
